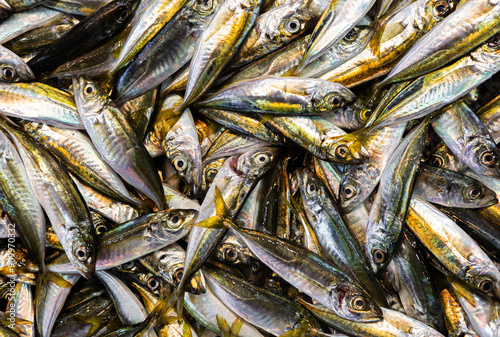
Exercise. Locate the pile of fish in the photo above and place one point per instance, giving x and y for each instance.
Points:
(249, 168)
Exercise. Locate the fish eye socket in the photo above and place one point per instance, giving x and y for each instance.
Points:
(378, 256)
(8, 73)
(292, 25)
(487, 158)
(474, 192)
(349, 191)
(486, 286)
(211, 174)
(127, 266)
(100, 229)
(312, 188)
(436, 161)
(230, 254)
(123, 15)
(352, 35)
(335, 101)
(358, 303)
(206, 4)
(89, 90)
(179, 164)
(81, 253)
(153, 283)
(178, 276)
(365, 114)
(494, 42)
(441, 8)
(341, 151)
(262, 158)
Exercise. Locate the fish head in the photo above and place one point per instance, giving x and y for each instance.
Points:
(14, 70)
(210, 171)
(274, 29)
(434, 11)
(233, 251)
(311, 189)
(353, 303)
(329, 97)
(89, 98)
(170, 225)
(379, 249)
(187, 161)
(487, 56)
(355, 40)
(444, 158)
(83, 251)
(206, 7)
(477, 195)
(484, 277)
(254, 163)
(351, 191)
(152, 282)
(345, 149)
(481, 154)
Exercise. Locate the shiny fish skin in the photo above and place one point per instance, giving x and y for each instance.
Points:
(92, 31)
(61, 201)
(267, 165)
(222, 37)
(454, 245)
(285, 95)
(40, 103)
(332, 26)
(134, 239)
(18, 199)
(470, 25)
(391, 202)
(157, 56)
(116, 141)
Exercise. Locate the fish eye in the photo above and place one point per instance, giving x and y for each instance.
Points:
(494, 42)
(100, 229)
(8, 73)
(474, 192)
(206, 4)
(89, 90)
(349, 191)
(179, 164)
(352, 35)
(292, 25)
(335, 101)
(312, 188)
(211, 174)
(162, 257)
(123, 15)
(127, 266)
(436, 161)
(230, 254)
(153, 283)
(262, 158)
(341, 151)
(178, 276)
(365, 114)
(358, 303)
(441, 8)
(486, 286)
(378, 256)
(81, 253)
(487, 158)
(255, 266)
(175, 220)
